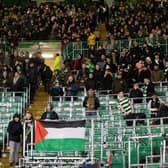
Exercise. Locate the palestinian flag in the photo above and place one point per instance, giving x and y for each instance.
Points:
(60, 135)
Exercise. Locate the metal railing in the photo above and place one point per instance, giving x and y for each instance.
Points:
(75, 48)
(97, 141)
(10, 103)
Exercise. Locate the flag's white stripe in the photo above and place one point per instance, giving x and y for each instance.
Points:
(60, 133)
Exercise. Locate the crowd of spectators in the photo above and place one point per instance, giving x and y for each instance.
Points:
(18, 71)
(69, 22)
(65, 22)
(97, 70)
(143, 19)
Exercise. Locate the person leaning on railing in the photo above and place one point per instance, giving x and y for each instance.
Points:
(124, 104)
(91, 103)
(49, 113)
(126, 107)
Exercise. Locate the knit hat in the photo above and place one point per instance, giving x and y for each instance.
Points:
(16, 115)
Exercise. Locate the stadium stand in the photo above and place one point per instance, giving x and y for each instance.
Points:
(136, 42)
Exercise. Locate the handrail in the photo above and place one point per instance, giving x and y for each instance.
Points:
(74, 48)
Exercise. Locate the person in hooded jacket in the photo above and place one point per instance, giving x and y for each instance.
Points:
(15, 131)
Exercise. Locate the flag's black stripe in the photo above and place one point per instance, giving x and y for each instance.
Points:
(63, 124)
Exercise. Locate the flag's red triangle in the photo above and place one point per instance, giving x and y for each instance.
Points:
(110, 161)
(40, 132)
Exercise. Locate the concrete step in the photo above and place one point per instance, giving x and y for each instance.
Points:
(103, 31)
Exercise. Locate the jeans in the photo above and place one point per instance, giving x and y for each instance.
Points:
(14, 151)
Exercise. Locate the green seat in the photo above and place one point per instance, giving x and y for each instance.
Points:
(155, 130)
(112, 131)
(141, 130)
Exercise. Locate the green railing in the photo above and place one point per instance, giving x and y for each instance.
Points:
(74, 48)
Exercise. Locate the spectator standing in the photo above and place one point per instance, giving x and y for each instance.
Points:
(148, 88)
(15, 131)
(157, 74)
(82, 75)
(57, 62)
(136, 93)
(91, 39)
(29, 127)
(56, 91)
(32, 78)
(98, 76)
(72, 87)
(154, 105)
(77, 63)
(91, 82)
(18, 82)
(119, 84)
(46, 76)
(5, 80)
(158, 61)
(124, 103)
(107, 81)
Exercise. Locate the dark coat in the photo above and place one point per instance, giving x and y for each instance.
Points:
(150, 89)
(91, 84)
(19, 85)
(72, 89)
(46, 73)
(15, 130)
(118, 85)
(56, 91)
(107, 83)
(139, 77)
(53, 115)
(137, 94)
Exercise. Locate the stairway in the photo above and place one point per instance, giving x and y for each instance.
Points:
(40, 102)
(102, 31)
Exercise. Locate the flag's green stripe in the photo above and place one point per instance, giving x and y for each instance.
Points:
(61, 144)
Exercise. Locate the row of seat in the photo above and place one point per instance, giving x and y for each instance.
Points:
(11, 103)
(110, 135)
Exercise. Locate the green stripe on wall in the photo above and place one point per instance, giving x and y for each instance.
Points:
(61, 145)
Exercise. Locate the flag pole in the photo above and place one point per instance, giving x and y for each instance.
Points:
(102, 135)
(24, 139)
(92, 140)
(32, 140)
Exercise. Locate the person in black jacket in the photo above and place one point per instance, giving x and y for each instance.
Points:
(91, 82)
(15, 130)
(18, 82)
(49, 113)
(136, 93)
(91, 103)
(46, 76)
(148, 89)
